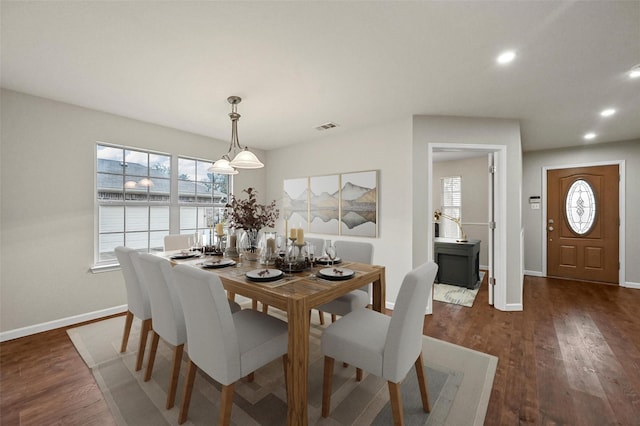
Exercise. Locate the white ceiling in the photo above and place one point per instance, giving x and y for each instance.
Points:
(300, 64)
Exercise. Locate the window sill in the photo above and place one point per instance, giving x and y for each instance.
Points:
(97, 269)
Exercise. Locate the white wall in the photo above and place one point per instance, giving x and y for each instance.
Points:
(475, 196)
(386, 148)
(533, 163)
(483, 131)
(47, 212)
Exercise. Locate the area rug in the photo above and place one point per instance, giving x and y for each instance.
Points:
(455, 294)
(459, 382)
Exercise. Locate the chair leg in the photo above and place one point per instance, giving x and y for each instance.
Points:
(321, 316)
(254, 304)
(265, 308)
(175, 375)
(358, 374)
(422, 383)
(127, 329)
(333, 317)
(396, 403)
(146, 327)
(152, 356)
(226, 404)
(326, 386)
(186, 392)
(251, 377)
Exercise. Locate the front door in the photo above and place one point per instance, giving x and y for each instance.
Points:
(583, 223)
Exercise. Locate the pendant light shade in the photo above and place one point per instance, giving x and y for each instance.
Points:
(222, 167)
(246, 160)
(242, 157)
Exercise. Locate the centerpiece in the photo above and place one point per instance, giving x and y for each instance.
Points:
(250, 217)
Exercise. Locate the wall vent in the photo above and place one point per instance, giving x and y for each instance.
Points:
(326, 126)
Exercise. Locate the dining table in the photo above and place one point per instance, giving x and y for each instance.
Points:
(295, 293)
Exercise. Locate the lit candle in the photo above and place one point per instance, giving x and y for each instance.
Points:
(219, 229)
(293, 233)
(300, 236)
(286, 228)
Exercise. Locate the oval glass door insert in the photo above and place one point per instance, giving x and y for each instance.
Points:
(580, 207)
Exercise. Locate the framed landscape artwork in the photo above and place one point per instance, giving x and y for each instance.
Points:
(341, 204)
(359, 204)
(295, 206)
(324, 204)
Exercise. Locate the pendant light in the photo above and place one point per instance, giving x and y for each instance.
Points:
(242, 157)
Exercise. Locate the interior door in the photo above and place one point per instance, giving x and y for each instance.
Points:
(583, 223)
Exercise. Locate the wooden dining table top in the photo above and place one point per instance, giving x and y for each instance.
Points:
(295, 293)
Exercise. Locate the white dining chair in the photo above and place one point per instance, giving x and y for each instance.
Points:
(225, 345)
(137, 300)
(177, 241)
(384, 346)
(352, 251)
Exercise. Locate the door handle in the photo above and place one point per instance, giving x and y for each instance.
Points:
(550, 228)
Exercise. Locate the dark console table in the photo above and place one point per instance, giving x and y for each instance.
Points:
(458, 263)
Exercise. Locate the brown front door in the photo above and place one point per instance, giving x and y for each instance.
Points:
(582, 223)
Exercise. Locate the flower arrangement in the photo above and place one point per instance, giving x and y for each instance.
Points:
(248, 214)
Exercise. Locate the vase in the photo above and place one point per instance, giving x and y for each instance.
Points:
(248, 244)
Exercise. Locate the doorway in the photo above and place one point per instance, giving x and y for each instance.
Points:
(582, 223)
(496, 174)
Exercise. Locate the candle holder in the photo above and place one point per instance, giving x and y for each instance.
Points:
(300, 257)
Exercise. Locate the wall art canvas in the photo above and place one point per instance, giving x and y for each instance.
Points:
(324, 204)
(359, 204)
(295, 207)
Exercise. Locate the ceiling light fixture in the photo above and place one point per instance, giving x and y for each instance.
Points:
(608, 112)
(506, 57)
(590, 136)
(242, 157)
(635, 71)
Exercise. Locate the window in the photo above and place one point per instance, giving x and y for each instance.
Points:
(134, 198)
(450, 205)
(202, 196)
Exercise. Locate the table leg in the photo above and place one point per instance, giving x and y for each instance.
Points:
(298, 362)
(379, 292)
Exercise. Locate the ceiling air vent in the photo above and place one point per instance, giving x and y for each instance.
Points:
(326, 126)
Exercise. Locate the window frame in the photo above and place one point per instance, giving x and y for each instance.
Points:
(172, 201)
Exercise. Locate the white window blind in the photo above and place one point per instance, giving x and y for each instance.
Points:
(450, 205)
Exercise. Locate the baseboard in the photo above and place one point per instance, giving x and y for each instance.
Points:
(631, 285)
(512, 307)
(62, 322)
(533, 273)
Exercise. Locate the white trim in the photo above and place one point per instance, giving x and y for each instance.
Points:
(512, 307)
(533, 273)
(631, 285)
(96, 269)
(62, 322)
(621, 212)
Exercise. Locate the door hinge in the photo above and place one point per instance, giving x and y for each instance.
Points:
(492, 225)
(492, 169)
(492, 281)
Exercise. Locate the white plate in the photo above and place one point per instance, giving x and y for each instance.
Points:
(185, 255)
(336, 273)
(264, 274)
(220, 263)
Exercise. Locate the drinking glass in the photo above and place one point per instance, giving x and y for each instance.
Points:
(330, 250)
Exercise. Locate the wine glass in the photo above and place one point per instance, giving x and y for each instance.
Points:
(311, 253)
(330, 250)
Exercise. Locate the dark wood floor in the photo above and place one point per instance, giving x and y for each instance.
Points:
(572, 357)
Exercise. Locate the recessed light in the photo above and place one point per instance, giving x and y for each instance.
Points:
(590, 136)
(608, 112)
(635, 71)
(506, 57)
